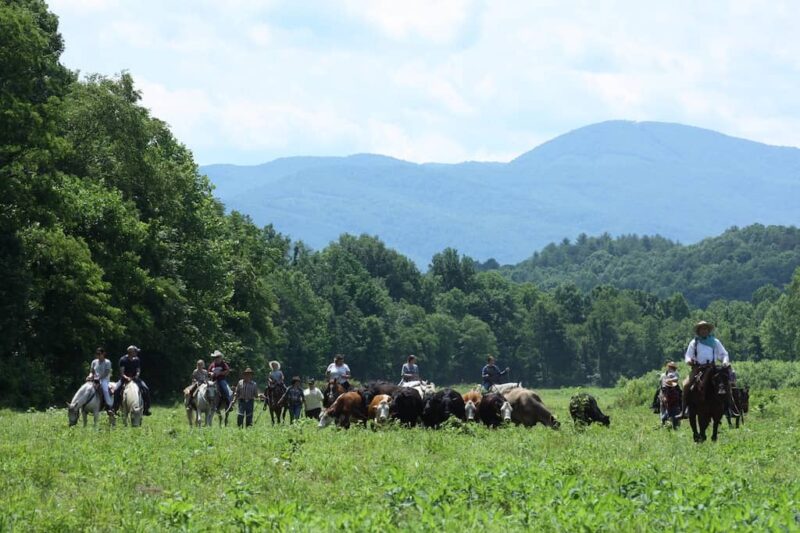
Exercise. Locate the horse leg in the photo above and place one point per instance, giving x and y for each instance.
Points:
(96, 416)
(85, 415)
(717, 420)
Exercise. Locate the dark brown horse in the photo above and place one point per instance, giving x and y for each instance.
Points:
(331, 392)
(741, 405)
(277, 409)
(705, 399)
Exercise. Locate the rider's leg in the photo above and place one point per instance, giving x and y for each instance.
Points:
(145, 396)
(225, 390)
(106, 393)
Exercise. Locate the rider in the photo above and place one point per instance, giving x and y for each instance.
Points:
(199, 376)
(491, 373)
(669, 380)
(130, 367)
(410, 371)
(219, 371)
(294, 399)
(705, 349)
(246, 392)
(276, 375)
(339, 371)
(101, 372)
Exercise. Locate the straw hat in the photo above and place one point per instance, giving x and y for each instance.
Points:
(672, 364)
(703, 324)
(248, 370)
(216, 354)
(271, 363)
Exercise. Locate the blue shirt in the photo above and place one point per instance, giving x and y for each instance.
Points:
(410, 369)
(491, 374)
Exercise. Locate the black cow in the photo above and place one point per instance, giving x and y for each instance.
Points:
(583, 409)
(374, 388)
(440, 406)
(490, 408)
(406, 406)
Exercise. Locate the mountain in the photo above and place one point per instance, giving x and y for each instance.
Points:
(616, 177)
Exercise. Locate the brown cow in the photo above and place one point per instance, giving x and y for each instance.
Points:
(348, 405)
(472, 403)
(379, 408)
(528, 410)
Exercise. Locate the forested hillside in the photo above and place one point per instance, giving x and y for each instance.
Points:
(110, 235)
(730, 266)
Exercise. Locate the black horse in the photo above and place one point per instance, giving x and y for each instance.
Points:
(272, 400)
(741, 405)
(705, 399)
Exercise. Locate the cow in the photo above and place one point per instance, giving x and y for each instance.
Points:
(528, 410)
(374, 388)
(472, 402)
(379, 408)
(346, 406)
(440, 405)
(584, 410)
(406, 406)
(494, 410)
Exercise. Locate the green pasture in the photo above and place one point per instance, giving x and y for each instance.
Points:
(633, 476)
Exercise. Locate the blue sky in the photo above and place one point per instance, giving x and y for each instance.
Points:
(247, 81)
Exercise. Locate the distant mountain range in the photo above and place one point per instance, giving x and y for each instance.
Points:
(619, 177)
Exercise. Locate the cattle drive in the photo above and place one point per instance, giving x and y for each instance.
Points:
(705, 396)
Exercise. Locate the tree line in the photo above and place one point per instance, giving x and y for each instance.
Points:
(110, 236)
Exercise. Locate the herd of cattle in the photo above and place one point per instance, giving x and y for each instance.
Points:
(417, 403)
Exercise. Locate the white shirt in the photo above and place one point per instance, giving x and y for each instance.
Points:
(671, 375)
(313, 399)
(338, 372)
(706, 354)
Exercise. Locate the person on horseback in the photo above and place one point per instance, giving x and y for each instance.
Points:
(130, 367)
(246, 392)
(668, 396)
(490, 374)
(410, 370)
(706, 349)
(294, 399)
(199, 376)
(339, 371)
(218, 371)
(101, 373)
(276, 375)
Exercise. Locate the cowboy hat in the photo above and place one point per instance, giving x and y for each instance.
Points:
(704, 324)
(134, 348)
(296, 379)
(672, 364)
(248, 370)
(275, 363)
(216, 354)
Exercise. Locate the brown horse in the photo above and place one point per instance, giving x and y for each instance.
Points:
(741, 405)
(331, 392)
(277, 409)
(704, 401)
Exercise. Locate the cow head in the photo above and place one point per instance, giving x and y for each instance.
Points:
(505, 411)
(470, 409)
(325, 419)
(382, 411)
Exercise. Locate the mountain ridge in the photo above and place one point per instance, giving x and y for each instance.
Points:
(617, 177)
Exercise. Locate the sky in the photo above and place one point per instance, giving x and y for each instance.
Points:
(248, 81)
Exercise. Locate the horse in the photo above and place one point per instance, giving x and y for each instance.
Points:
(424, 388)
(704, 401)
(132, 404)
(86, 400)
(331, 392)
(277, 410)
(502, 388)
(741, 405)
(208, 401)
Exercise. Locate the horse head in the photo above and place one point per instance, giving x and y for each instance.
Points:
(211, 393)
(73, 411)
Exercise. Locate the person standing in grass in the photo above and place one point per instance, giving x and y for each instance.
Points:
(294, 399)
(246, 392)
(313, 400)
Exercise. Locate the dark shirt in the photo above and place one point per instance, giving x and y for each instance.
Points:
(294, 396)
(130, 366)
(491, 374)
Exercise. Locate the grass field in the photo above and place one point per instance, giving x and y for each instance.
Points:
(632, 476)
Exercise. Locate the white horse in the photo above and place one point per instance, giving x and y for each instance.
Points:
(422, 387)
(206, 400)
(502, 388)
(85, 401)
(132, 404)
